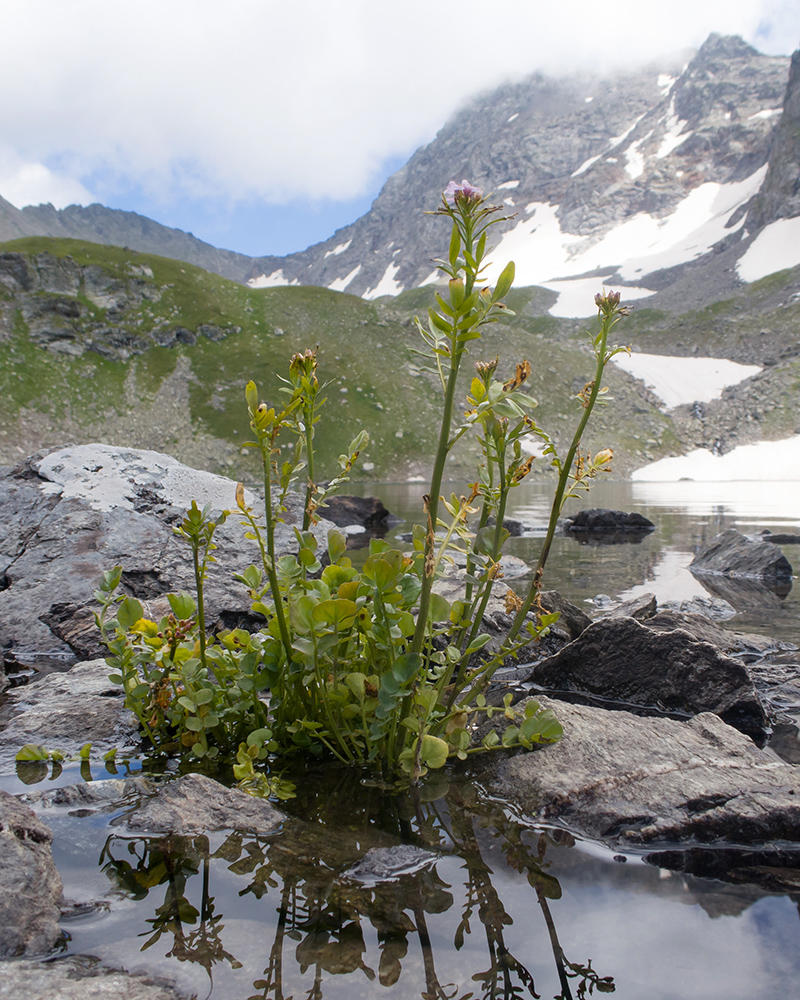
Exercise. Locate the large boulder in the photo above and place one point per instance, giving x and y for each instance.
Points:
(630, 780)
(30, 887)
(625, 661)
(367, 512)
(75, 512)
(732, 554)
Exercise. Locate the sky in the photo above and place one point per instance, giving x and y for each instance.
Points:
(264, 126)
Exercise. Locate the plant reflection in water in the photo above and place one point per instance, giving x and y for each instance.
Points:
(324, 902)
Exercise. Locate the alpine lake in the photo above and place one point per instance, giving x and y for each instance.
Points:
(483, 904)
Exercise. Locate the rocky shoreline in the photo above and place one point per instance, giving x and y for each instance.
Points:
(662, 712)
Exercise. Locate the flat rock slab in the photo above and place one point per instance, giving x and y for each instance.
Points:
(733, 554)
(629, 780)
(72, 514)
(64, 711)
(30, 886)
(195, 804)
(78, 978)
(623, 660)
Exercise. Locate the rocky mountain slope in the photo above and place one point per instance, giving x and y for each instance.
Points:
(641, 178)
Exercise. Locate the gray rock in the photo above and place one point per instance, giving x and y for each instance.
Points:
(728, 641)
(621, 778)
(196, 804)
(641, 608)
(76, 512)
(732, 554)
(624, 661)
(711, 607)
(79, 977)
(64, 711)
(780, 537)
(386, 864)
(30, 887)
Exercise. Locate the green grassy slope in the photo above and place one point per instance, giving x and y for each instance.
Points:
(187, 399)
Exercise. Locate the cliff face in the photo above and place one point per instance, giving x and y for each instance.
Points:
(779, 198)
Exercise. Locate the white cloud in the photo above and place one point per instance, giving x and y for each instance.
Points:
(24, 183)
(262, 98)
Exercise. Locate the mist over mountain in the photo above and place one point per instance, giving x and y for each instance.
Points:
(652, 179)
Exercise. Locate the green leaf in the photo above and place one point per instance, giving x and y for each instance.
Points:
(85, 751)
(129, 612)
(183, 605)
(405, 668)
(455, 247)
(504, 282)
(32, 751)
(438, 609)
(433, 752)
(188, 703)
(251, 395)
(337, 545)
(204, 696)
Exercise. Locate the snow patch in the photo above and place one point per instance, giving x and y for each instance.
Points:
(776, 247)
(337, 250)
(766, 113)
(665, 82)
(508, 186)
(387, 285)
(576, 297)
(640, 245)
(588, 100)
(672, 137)
(433, 277)
(340, 284)
(677, 381)
(635, 166)
(767, 461)
(511, 119)
(585, 165)
(273, 280)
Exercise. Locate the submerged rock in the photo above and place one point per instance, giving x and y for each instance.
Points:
(79, 977)
(196, 804)
(621, 778)
(30, 886)
(732, 554)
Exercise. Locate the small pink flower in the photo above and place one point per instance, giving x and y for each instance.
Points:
(456, 192)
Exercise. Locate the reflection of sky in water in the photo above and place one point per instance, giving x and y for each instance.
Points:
(646, 927)
(671, 580)
(762, 504)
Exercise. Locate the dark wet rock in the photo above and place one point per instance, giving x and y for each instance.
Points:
(345, 510)
(598, 520)
(739, 644)
(76, 512)
(80, 977)
(618, 777)
(63, 711)
(732, 554)
(573, 621)
(196, 804)
(714, 608)
(30, 887)
(74, 624)
(624, 661)
(641, 608)
(780, 537)
(385, 864)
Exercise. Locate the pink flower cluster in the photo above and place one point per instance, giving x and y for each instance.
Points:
(464, 191)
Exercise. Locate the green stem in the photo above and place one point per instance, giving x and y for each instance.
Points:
(563, 479)
(266, 456)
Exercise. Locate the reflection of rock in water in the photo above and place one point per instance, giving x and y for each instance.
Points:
(619, 536)
(772, 869)
(743, 594)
